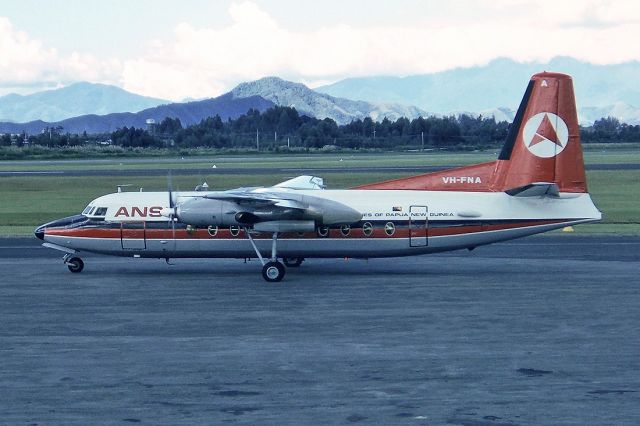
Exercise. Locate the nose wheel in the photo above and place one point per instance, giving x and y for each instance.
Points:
(75, 264)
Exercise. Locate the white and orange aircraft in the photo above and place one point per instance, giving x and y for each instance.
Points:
(536, 185)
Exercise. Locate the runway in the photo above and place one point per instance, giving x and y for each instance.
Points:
(261, 170)
(542, 330)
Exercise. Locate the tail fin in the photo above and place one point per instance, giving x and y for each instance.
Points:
(543, 144)
(542, 147)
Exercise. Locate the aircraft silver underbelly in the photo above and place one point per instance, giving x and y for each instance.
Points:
(303, 247)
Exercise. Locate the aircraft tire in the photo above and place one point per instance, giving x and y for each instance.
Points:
(293, 262)
(273, 272)
(75, 265)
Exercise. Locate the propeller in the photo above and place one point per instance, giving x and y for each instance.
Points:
(171, 211)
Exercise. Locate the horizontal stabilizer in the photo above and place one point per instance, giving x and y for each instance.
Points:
(537, 189)
(302, 182)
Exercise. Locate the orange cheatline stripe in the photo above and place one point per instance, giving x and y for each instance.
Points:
(225, 234)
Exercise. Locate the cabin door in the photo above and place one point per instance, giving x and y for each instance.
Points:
(418, 224)
(133, 235)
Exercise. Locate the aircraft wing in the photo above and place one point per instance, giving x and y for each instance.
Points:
(259, 199)
(250, 206)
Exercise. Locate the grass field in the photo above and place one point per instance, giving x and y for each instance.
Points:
(600, 156)
(32, 200)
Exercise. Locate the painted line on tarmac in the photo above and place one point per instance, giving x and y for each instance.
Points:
(570, 244)
(42, 172)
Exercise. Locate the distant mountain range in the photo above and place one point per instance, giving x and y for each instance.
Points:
(497, 88)
(72, 101)
(260, 95)
(320, 105)
(226, 106)
(491, 90)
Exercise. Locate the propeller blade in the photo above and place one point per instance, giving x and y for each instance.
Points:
(171, 210)
(170, 189)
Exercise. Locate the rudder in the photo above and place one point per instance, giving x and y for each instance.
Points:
(543, 144)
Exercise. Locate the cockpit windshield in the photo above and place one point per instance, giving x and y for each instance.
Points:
(94, 211)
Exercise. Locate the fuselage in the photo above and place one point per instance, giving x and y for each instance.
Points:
(393, 223)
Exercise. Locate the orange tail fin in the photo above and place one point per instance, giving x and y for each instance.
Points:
(543, 145)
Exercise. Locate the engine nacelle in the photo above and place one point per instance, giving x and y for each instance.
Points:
(205, 212)
(208, 211)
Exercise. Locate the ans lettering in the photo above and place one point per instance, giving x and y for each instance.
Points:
(461, 179)
(139, 211)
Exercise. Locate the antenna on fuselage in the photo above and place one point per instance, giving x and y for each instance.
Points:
(123, 186)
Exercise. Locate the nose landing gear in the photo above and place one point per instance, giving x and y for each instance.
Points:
(75, 264)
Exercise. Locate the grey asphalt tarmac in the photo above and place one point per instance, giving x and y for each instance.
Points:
(264, 170)
(543, 330)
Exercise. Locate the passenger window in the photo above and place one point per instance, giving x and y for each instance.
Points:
(389, 228)
(323, 231)
(212, 230)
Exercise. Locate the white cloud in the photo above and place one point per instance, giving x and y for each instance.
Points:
(207, 61)
(22, 60)
(26, 64)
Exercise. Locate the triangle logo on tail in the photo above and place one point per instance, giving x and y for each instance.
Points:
(545, 135)
(545, 132)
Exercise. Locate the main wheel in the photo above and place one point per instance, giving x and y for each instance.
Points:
(75, 264)
(273, 272)
(293, 262)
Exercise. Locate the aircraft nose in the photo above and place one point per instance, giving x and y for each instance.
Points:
(39, 232)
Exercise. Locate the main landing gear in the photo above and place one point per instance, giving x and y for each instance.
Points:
(293, 262)
(273, 270)
(75, 264)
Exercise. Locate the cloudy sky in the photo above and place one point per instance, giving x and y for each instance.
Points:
(201, 48)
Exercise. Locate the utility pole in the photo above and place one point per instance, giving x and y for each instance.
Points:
(257, 140)
(288, 146)
(275, 136)
(422, 137)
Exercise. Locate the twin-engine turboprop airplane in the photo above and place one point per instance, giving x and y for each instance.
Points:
(536, 185)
